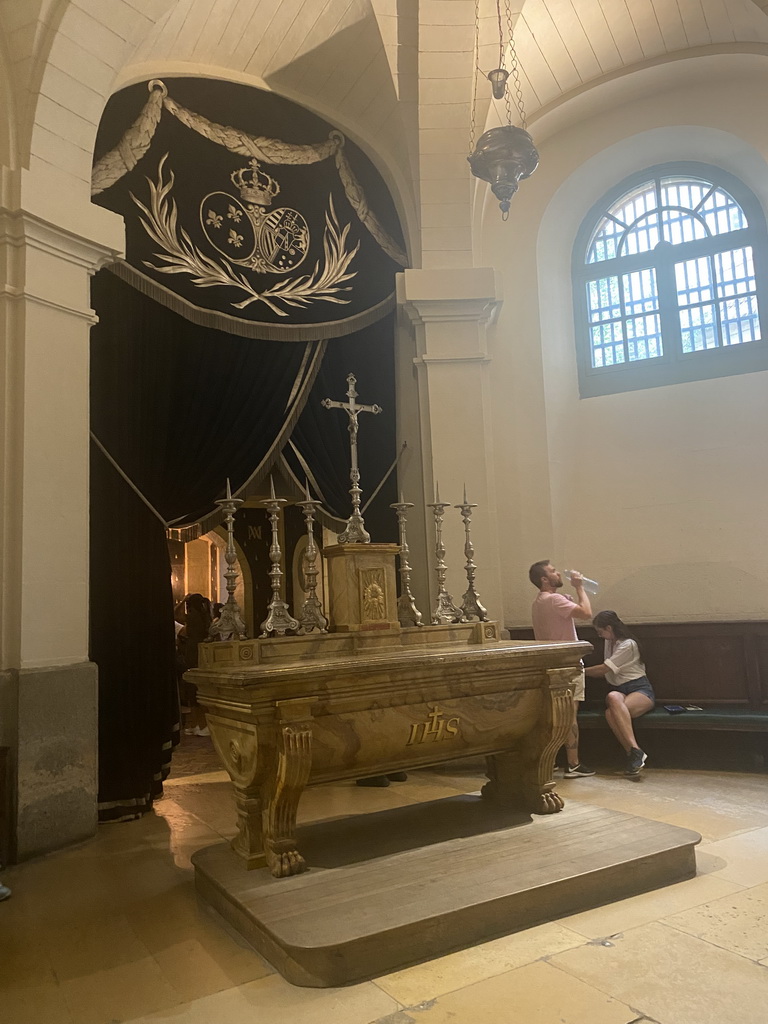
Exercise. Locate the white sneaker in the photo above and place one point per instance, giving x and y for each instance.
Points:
(5, 892)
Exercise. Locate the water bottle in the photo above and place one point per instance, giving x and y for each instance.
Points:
(591, 586)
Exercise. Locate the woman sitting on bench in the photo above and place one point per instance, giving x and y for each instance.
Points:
(630, 694)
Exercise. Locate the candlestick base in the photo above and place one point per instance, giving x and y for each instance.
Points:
(229, 625)
(355, 531)
(407, 612)
(445, 610)
(279, 620)
(312, 616)
(471, 607)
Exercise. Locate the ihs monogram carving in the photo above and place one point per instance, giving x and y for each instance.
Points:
(249, 236)
(436, 728)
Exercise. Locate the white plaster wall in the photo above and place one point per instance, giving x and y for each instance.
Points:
(660, 494)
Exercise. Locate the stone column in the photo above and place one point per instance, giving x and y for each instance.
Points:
(51, 242)
(449, 310)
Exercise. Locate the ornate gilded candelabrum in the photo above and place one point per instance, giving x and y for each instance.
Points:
(445, 610)
(229, 624)
(355, 532)
(470, 603)
(312, 616)
(407, 612)
(279, 620)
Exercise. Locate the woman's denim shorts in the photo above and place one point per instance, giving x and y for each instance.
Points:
(639, 685)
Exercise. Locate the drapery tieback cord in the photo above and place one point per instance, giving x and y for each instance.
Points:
(127, 479)
(166, 524)
(386, 476)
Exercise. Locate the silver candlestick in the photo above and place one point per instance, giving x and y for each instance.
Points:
(445, 610)
(312, 613)
(229, 624)
(470, 603)
(355, 532)
(407, 612)
(279, 620)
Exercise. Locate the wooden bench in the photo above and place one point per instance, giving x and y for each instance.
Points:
(713, 718)
(725, 719)
(721, 666)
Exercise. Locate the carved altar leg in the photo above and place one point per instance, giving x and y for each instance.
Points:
(248, 843)
(237, 745)
(522, 778)
(283, 791)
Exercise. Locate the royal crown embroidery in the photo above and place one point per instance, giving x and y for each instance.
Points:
(272, 242)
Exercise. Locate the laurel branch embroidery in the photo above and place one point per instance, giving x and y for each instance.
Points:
(181, 256)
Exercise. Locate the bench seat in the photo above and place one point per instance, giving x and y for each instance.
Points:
(724, 718)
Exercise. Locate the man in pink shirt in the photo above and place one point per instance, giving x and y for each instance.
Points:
(553, 617)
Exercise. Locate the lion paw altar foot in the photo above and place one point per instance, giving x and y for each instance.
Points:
(283, 861)
(532, 799)
(548, 802)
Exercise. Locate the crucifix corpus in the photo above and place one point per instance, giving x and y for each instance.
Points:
(355, 532)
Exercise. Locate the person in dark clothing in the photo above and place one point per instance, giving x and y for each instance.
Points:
(194, 631)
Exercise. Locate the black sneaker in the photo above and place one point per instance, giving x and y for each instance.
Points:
(635, 761)
(578, 771)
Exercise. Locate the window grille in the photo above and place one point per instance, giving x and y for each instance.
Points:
(669, 278)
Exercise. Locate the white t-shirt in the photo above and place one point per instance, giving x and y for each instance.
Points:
(622, 659)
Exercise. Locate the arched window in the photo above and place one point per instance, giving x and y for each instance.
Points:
(669, 275)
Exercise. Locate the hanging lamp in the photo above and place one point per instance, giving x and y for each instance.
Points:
(504, 156)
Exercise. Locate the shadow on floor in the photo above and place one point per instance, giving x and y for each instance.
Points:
(344, 841)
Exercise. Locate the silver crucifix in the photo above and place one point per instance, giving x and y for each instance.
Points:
(355, 532)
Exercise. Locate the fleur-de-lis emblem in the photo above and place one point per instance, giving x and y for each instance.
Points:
(234, 214)
(234, 238)
(214, 219)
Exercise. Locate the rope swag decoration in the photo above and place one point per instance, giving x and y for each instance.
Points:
(136, 141)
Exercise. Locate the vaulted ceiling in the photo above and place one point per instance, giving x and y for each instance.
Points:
(366, 64)
(331, 51)
(565, 44)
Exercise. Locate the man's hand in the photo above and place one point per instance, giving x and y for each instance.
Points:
(583, 607)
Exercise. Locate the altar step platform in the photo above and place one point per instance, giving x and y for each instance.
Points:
(396, 887)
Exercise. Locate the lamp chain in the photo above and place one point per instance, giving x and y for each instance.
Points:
(513, 69)
(478, 72)
(501, 30)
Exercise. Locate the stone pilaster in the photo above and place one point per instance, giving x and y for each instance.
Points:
(50, 245)
(448, 311)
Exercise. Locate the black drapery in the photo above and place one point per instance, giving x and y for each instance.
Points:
(177, 406)
(132, 642)
(181, 407)
(321, 439)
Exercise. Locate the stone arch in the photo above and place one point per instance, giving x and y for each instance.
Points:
(8, 143)
(86, 47)
(332, 60)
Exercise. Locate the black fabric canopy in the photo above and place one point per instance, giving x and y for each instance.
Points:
(177, 406)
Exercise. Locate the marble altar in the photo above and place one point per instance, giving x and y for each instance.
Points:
(371, 697)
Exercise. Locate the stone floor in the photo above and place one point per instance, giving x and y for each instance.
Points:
(194, 755)
(111, 931)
